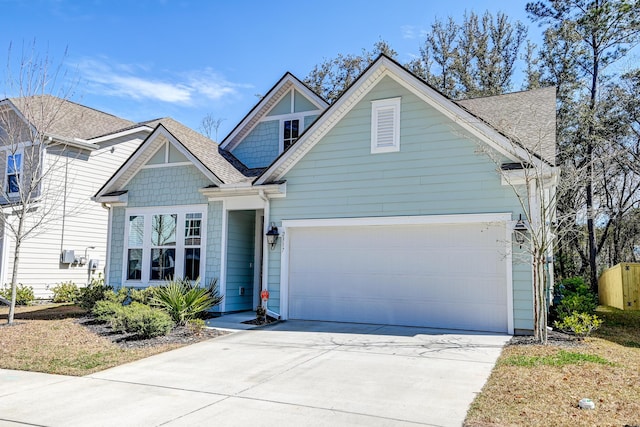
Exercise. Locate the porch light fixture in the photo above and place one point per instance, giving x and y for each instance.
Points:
(520, 231)
(272, 235)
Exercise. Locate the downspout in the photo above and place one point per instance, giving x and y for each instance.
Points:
(107, 256)
(265, 250)
(64, 202)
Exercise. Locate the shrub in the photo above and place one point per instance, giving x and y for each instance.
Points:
(185, 301)
(142, 320)
(573, 295)
(24, 294)
(65, 292)
(581, 324)
(105, 310)
(143, 296)
(118, 297)
(93, 292)
(196, 326)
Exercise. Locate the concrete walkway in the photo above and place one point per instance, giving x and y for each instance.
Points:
(290, 374)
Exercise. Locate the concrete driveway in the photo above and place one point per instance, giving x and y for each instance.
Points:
(291, 374)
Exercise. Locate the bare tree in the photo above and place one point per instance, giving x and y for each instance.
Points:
(209, 126)
(29, 199)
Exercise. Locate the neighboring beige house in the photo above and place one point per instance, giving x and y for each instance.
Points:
(84, 147)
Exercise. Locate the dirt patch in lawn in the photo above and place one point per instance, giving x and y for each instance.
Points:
(61, 339)
(537, 385)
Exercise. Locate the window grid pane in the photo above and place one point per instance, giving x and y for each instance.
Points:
(136, 230)
(191, 263)
(163, 230)
(162, 264)
(134, 264)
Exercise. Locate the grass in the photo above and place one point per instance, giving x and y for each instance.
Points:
(541, 385)
(48, 339)
(561, 358)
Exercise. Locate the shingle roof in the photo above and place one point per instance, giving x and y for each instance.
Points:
(528, 118)
(207, 151)
(67, 119)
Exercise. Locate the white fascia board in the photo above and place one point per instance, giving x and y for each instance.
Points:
(120, 200)
(231, 190)
(459, 115)
(354, 94)
(321, 126)
(194, 160)
(549, 175)
(76, 143)
(257, 109)
(288, 79)
(113, 183)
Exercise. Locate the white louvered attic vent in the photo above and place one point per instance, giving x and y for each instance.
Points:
(385, 125)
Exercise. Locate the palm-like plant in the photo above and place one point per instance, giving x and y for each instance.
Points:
(184, 300)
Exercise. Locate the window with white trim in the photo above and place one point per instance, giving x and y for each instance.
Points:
(13, 173)
(164, 245)
(385, 125)
(291, 131)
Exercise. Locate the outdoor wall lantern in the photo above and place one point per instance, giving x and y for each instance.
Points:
(520, 231)
(272, 235)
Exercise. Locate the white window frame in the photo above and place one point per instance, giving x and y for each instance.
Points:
(390, 105)
(300, 119)
(19, 152)
(147, 213)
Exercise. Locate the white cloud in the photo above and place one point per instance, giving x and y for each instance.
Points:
(134, 81)
(412, 32)
(408, 32)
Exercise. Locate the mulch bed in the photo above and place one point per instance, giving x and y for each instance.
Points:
(260, 322)
(556, 338)
(179, 335)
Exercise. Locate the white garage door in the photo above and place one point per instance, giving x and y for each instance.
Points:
(442, 276)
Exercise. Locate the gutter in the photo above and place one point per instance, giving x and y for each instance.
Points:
(75, 142)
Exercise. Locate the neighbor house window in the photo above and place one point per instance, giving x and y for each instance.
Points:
(14, 170)
(164, 246)
(385, 125)
(291, 130)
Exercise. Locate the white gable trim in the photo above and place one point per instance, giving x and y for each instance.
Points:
(137, 161)
(289, 82)
(385, 67)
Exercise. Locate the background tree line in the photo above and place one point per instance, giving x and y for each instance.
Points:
(583, 54)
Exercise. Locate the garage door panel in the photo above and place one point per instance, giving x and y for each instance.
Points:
(445, 276)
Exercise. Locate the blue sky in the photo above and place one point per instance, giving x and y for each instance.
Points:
(143, 59)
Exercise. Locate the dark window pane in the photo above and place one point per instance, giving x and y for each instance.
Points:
(191, 263)
(162, 264)
(294, 128)
(134, 269)
(287, 129)
(12, 185)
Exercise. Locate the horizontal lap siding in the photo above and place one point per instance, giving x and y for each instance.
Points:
(439, 170)
(85, 222)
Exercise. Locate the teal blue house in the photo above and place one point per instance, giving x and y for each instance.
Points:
(393, 205)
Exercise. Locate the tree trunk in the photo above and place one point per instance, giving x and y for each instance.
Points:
(593, 250)
(14, 272)
(539, 297)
